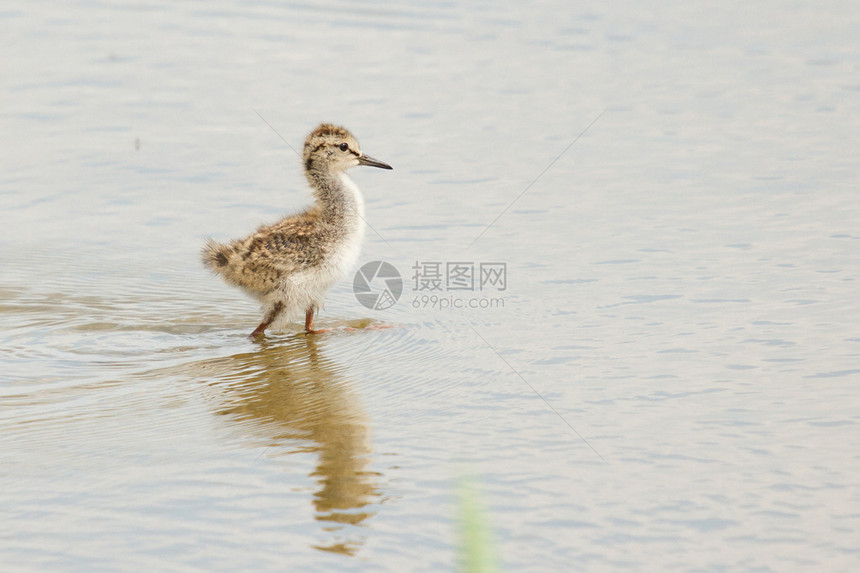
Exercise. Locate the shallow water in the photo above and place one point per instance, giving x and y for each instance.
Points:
(667, 380)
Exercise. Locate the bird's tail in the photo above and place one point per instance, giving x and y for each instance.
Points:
(216, 256)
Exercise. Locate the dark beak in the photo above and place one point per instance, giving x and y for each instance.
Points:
(366, 160)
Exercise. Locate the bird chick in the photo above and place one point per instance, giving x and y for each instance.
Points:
(290, 265)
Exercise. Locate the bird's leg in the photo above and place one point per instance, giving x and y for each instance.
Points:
(270, 318)
(309, 323)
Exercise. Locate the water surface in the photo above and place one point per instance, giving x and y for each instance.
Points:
(668, 383)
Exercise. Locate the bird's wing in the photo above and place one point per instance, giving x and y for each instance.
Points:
(260, 261)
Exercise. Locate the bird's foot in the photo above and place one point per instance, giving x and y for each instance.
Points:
(319, 330)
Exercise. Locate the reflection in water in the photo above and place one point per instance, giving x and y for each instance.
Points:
(294, 393)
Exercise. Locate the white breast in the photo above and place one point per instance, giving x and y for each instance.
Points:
(349, 248)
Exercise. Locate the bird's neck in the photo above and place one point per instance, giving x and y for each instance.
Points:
(337, 195)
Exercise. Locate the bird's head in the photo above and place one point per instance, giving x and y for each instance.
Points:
(331, 148)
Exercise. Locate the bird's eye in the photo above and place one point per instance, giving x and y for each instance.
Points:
(343, 146)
